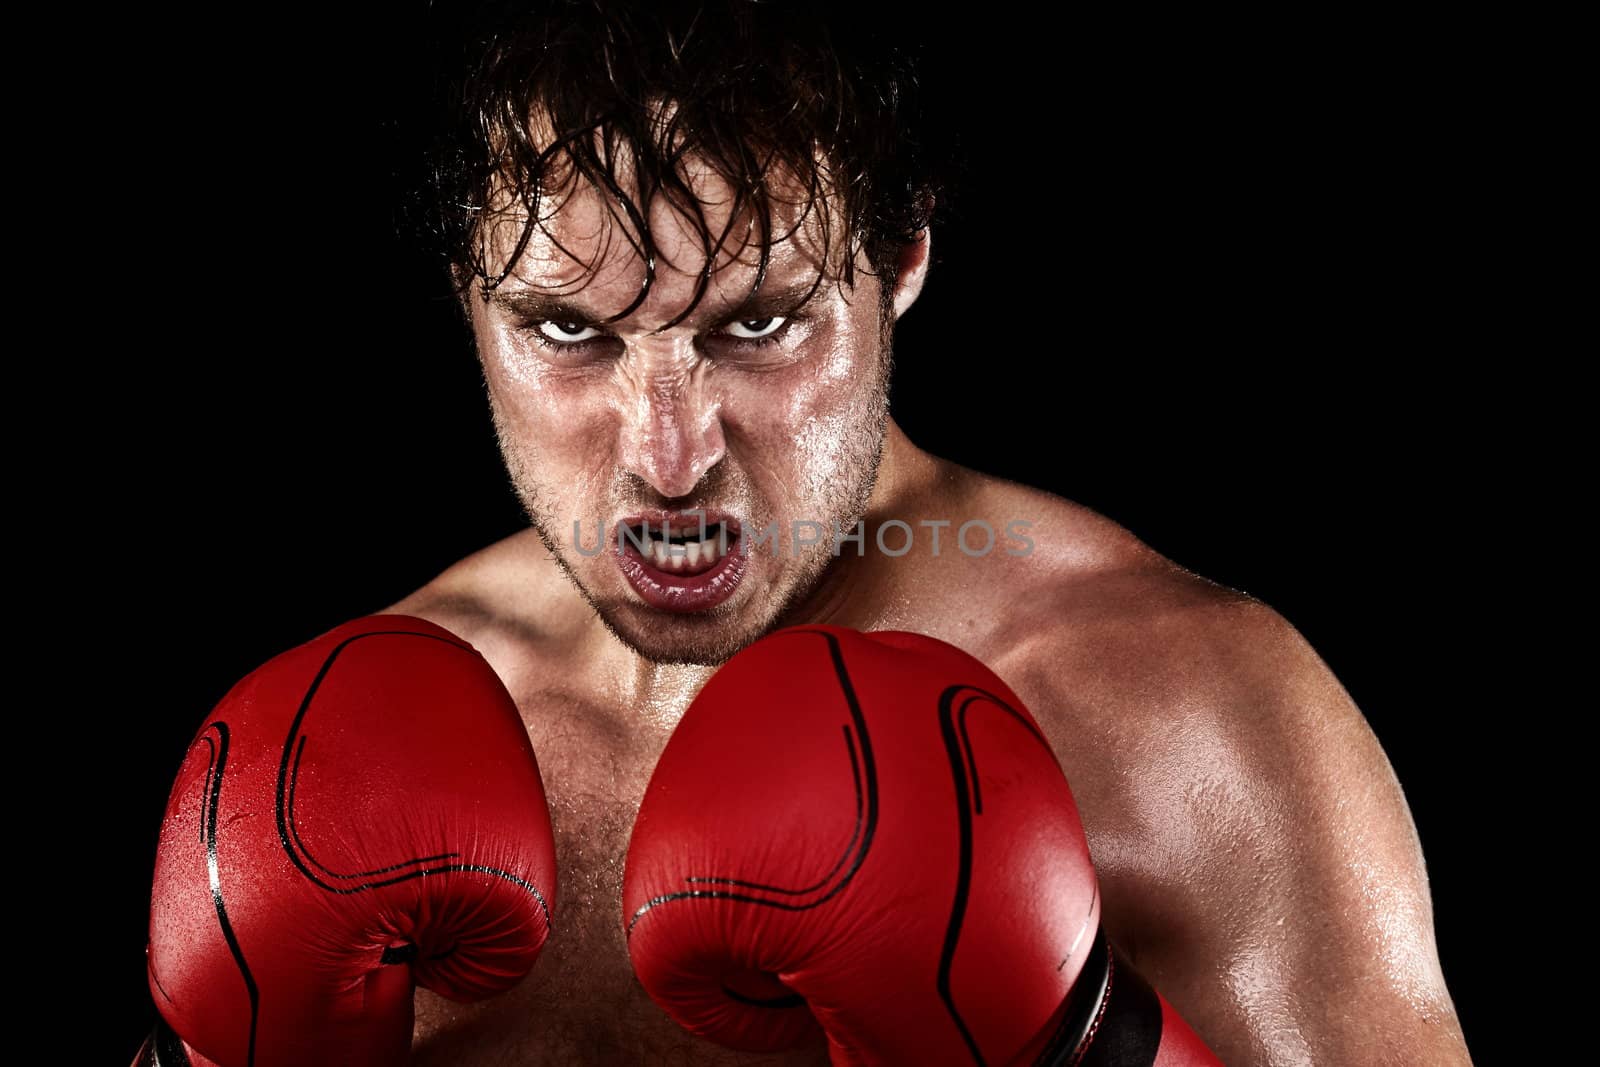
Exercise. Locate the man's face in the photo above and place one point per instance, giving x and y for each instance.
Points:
(756, 416)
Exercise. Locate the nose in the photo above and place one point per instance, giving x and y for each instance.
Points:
(672, 436)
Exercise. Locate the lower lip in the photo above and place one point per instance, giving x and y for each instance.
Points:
(683, 593)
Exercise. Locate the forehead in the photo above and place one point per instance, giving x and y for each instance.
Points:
(609, 242)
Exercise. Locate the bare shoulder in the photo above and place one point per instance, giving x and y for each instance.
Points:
(1133, 665)
(509, 600)
(1086, 601)
(1107, 628)
(1257, 855)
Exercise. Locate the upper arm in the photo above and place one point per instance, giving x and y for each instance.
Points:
(1302, 929)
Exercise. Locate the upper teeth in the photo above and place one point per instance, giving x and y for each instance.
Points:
(689, 552)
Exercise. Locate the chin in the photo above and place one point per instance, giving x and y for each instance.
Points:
(706, 640)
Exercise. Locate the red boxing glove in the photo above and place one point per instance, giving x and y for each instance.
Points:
(361, 814)
(869, 832)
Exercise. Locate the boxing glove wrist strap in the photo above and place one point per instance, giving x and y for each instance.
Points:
(1111, 1017)
(163, 1048)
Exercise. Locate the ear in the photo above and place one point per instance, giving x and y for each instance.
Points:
(911, 270)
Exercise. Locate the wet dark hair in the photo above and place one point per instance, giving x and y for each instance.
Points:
(822, 95)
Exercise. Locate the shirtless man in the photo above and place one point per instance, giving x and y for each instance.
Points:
(687, 308)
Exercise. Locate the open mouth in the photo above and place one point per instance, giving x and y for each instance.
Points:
(674, 550)
(678, 562)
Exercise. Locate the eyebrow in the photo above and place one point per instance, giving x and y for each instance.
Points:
(533, 305)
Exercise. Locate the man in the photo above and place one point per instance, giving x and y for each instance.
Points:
(682, 243)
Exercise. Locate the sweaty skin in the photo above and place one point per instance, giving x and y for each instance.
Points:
(1257, 858)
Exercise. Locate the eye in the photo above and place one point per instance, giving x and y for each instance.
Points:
(755, 329)
(566, 333)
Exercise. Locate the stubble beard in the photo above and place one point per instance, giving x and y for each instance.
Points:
(670, 639)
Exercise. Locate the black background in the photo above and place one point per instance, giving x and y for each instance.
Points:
(1198, 277)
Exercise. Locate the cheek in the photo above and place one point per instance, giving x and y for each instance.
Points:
(556, 423)
(813, 423)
